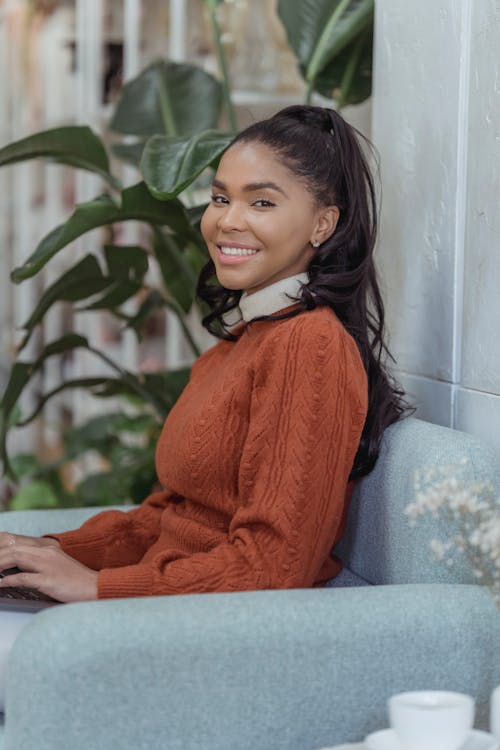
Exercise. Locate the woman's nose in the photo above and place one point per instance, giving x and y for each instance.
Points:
(232, 217)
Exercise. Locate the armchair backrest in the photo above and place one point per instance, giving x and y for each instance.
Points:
(380, 545)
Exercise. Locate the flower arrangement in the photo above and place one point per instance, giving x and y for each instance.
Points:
(471, 509)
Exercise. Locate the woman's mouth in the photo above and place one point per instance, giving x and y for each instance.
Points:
(229, 254)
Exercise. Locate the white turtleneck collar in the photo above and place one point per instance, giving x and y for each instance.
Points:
(266, 301)
(270, 299)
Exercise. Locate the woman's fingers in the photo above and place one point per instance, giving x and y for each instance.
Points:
(6, 539)
(21, 556)
(20, 580)
(49, 570)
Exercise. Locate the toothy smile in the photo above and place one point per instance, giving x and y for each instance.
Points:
(229, 250)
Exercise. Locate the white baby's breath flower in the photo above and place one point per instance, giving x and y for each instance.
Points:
(438, 548)
(444, 492)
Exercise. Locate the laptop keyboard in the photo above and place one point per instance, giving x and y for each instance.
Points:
(14, 592)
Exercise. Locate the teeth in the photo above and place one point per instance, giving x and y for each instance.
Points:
(237, 251)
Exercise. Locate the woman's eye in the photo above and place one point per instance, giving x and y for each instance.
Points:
(218, 198)
(262, 202)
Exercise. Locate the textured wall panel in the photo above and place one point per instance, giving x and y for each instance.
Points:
(479, 414)
(415, 128)
(481, 320)
(432, 398)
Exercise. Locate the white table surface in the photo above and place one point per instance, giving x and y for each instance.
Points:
(351, 746)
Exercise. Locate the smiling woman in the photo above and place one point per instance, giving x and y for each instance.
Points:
(261, 222)
(258, 456)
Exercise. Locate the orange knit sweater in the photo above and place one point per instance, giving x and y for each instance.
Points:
(254, 458)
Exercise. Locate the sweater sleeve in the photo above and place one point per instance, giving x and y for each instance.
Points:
(306, 415)
(115, 538)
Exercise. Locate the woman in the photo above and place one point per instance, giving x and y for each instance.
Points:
(257, 457)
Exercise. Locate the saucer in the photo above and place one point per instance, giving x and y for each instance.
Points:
(386, 739)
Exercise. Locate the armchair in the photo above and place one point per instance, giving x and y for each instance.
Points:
(266, 670)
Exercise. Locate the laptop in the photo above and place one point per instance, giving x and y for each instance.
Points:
(17, 599)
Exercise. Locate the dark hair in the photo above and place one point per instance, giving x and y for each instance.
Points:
(320, 148)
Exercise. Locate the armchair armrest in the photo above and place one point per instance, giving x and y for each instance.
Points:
(39, 522)
(282, 670)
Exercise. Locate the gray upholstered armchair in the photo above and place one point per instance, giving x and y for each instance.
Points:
(265, 670)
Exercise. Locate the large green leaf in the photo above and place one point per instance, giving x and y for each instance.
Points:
(20, 375)
(23, 371)
(48, 490)
(60, 346)
(318, 30)
(195, 214)
(168, 98)
(105, 387)
(153, 301)
(97, 434)
(196, 257)
(137, 203)
(34, 495)
(116, 294)
(72, 145)
(160, 390)
(126, 262)
(164, 388)
(105, 488)
(131, 472)
(169, 165)
(127, 266)
(88, 383)
(83, 280)
(348, 77)
(102, 433)
(168, 384)
(26, 465)
(131, 477)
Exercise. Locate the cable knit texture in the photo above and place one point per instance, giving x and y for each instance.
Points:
(255, 458)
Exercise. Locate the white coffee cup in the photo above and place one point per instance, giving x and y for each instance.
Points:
(431, 719)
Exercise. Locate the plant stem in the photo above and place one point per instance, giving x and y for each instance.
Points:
(221, 59)
(166, 111)
(172, 304)
(131, 380)
(309, 92)
(314, 66)
(349, 72)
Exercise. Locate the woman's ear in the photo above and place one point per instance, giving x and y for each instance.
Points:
(326, 223)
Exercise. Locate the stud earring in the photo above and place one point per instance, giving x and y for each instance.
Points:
(315, 244)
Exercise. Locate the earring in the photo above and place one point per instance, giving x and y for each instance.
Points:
(315, 244)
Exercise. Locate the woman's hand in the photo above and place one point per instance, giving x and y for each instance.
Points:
(6, 540)
(47, 568)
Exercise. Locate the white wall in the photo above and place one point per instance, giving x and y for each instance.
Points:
(436, 124)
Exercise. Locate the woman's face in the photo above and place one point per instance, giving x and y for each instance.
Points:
(261, 220)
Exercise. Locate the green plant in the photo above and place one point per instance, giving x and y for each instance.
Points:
(172, 111)
(333, 43)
